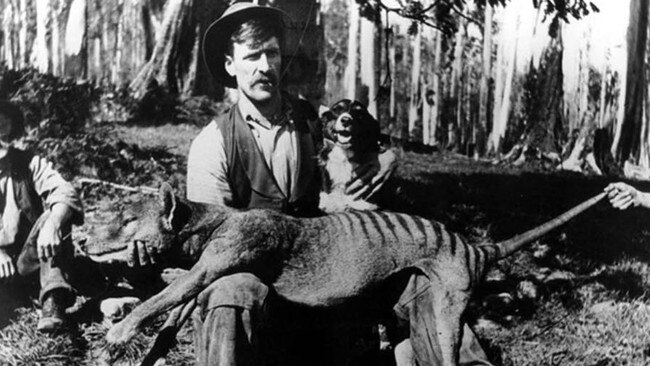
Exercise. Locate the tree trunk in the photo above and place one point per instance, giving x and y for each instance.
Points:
(436, 88)
(75, 60)
(393, 70)
(484, 87)
(40, 51)
(165, 65)
(57, 10)
(455, 128)
(505, 71)
(426, 88)
(8, 47)
(414, 103)
(369, 45)
(353, 47)
(545, 113)
(22, 35)
(626, 141)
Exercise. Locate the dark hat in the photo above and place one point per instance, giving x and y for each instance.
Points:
(12, 123)
(217, 36)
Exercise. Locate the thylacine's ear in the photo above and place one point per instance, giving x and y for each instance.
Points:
(175, 213)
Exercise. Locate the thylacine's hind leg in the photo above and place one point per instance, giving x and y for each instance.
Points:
(210, 267)
(434, 312)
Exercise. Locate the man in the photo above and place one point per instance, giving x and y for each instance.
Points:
(30, 188)
(262, 154)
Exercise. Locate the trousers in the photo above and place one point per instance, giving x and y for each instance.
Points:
(239, 321)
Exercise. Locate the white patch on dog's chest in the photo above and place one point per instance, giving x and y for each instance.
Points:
(339, 168)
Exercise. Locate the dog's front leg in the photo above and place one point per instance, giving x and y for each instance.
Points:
(209, 267)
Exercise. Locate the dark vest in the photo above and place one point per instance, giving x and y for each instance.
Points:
(251, 180)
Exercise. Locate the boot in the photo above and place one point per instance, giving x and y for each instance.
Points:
(53, 311)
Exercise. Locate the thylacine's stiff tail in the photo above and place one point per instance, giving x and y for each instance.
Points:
(494, 252)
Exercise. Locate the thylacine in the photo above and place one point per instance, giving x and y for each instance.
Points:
(321, 261)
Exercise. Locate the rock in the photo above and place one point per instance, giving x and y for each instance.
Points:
(603, 307)
(541, 273)
(527, 290)
(115, 309)
(495, 275)
(541, 251)
(483, 325)
(559, 276)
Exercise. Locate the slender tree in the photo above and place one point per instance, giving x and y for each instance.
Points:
(353, 49)
(484, 86)
(416, 64)
(369, 46)
(626, 141)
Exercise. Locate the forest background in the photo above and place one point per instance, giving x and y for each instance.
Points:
(499, 99)
(520, 79)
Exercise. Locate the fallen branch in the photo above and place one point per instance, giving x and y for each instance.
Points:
(143, 189)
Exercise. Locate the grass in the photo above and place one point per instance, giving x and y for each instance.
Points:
(592, 278)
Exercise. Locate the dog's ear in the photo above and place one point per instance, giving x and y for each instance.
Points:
(325, 118)
(175, 214)
(322, 110)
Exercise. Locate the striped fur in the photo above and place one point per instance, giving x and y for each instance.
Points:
(328, 260)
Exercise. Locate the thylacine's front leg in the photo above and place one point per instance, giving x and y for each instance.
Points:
(209, 268)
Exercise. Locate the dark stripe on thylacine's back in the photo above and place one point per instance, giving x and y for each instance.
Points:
(362, 223)
(376, 225)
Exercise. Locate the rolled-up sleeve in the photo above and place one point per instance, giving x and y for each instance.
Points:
(51, 186)
(207, 179)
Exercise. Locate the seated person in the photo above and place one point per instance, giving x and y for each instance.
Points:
(30, 191)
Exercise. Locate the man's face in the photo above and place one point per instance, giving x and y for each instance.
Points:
(256, 68)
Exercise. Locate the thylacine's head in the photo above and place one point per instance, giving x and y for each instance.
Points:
(161, 225)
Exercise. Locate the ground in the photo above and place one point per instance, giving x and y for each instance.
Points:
(579, 296)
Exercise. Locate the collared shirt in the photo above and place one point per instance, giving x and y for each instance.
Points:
(48, 183)
(207, 178)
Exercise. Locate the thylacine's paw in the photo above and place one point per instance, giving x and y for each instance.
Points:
(168, 275)
(121, 333)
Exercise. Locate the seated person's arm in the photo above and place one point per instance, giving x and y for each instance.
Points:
(7, 268)
(622, 196)
(207, 179)
(371, 177)
(61, 199)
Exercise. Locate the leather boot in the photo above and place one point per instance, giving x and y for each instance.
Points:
(53, 312)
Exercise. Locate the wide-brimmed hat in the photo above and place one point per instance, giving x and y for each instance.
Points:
(218, 34)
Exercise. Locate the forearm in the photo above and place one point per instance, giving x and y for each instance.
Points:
(644, 199)
(61, 213)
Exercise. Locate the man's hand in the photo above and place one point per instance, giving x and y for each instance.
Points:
(623, 195)
(140, 255)
(371, 177)
(7, 268)
(49, 238)
(48, 242)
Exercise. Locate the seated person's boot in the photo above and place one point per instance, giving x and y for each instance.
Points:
(53, 316)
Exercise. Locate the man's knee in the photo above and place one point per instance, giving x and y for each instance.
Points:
(243, 290)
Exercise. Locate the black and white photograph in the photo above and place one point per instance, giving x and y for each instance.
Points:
(324, 182)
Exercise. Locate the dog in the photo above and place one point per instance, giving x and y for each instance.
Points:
(351, 141)
(321, 261)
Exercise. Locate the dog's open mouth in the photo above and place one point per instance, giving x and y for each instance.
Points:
(343, 136)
